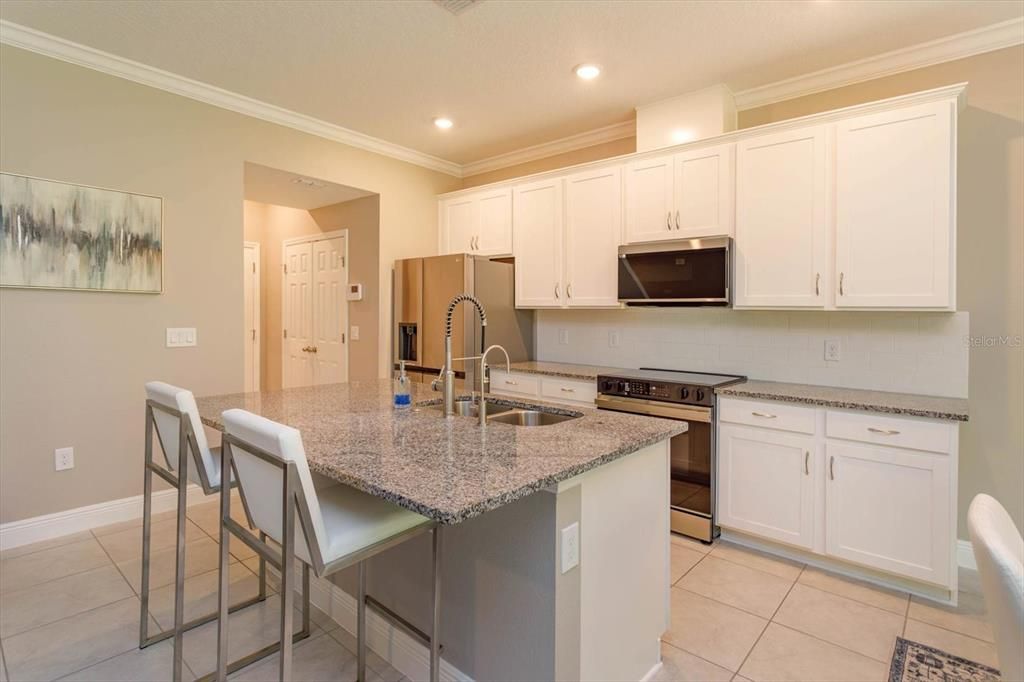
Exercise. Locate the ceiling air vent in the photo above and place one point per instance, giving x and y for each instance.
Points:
(456, 6)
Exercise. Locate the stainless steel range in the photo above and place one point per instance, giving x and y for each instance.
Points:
(689, 397)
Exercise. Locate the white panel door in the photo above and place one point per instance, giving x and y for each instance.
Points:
(251, 298)
(537, 214)
(704, 184)
(894, 208)
(766, 483)
(593, 225)
(297, 313)
(459, 223)
(495, 222)
(781, 220)
(649, 200)
(889, 509)
(330, 312)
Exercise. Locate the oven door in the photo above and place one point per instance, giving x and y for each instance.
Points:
(690, 272)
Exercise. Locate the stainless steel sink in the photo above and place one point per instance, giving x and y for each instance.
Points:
(530, 418)
(468, 408)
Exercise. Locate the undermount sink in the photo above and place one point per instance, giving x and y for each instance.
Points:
(468, 408)
(531, 418)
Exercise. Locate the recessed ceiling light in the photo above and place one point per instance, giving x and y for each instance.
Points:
(588, 72)
(443, 123)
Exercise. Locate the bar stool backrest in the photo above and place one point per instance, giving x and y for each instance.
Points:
(262, 482)
(167, 425)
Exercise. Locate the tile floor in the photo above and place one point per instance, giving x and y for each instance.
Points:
(742, 615)
(69, 610)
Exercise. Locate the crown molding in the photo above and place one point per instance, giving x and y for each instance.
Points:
(609, 133)
(958, 46)
(26, 38)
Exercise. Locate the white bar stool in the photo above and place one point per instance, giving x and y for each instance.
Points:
(328, 529)
(172, 413)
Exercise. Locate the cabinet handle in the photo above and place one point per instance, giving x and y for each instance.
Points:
(807, 462)
(677, 220)
(568, 390)
(568, 289)
(841, 284)
(884, 432)
(832, 468)
(557, 295)
(817, 283)
(509, 382)
(763, 414)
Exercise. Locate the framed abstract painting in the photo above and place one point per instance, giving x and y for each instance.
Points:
(55, 235)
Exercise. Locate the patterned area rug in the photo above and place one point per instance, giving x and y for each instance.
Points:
(913, 662)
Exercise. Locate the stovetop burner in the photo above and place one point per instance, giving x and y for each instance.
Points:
(666, 385)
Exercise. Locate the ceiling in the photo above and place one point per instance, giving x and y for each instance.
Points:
(502, 70)
(274, 186)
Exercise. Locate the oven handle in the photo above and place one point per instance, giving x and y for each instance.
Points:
(653, 408)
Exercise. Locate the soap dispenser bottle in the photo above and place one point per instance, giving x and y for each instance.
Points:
(403, 400)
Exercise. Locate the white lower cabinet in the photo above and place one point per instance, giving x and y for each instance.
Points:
(839, 492)
(542, 387)
(766, 486)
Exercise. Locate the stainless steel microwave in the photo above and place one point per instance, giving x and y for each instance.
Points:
(693, 272)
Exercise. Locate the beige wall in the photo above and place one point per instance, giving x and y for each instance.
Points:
(73, 363)
(598, 151)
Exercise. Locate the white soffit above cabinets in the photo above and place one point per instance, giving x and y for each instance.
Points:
(503, 71)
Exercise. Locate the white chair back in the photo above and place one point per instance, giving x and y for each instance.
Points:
(262, 482)
(999, 551)
(167, 427)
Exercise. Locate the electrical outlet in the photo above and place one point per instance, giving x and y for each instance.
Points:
(563, 337)
(833, 351)
(613, 339)
(570, 547)
(64, 458)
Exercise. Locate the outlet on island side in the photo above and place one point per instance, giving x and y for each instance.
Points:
(64, 458)
(570, 547)
(832, 350)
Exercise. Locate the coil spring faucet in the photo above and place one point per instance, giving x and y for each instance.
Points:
(449, 373)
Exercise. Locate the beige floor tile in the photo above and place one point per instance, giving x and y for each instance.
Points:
(154, 663)
(690, 543)
(740, 678)
(200, 557)
(681, 666)
(866, 593)
(952, 642)
(683, 559)
(317, 658)
(207, 515)
(132, 523)
(752, 558)
(201, 594)
(785, 654)
(850, 624)
(74, 643)
(45, 544)
(373, 660)
(716, 632)
(967, 618)
(41, 604)
(39, 567)
(745, 588)
(126, 544)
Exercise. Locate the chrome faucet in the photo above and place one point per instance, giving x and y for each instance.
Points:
(449, 373)
(484, 380)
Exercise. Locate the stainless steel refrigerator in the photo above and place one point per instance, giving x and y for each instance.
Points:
(422, 289)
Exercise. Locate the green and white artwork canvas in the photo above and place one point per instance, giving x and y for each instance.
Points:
(55, 235)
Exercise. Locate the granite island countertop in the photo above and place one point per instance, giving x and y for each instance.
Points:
(933, 407)
(447, 469)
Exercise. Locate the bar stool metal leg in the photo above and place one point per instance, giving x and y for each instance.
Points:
(435, 632)
(361, 625)
(147, 514)
(287, 567)
(179, 570)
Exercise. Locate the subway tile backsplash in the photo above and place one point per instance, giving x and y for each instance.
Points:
(888, 351)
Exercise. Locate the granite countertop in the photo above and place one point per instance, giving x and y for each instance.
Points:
(447, 469)
(562, 369)
(934, 407)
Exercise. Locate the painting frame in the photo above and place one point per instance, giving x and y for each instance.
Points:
(160, 236)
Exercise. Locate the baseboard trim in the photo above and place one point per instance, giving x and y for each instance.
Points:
(49, 526)
(965, 555)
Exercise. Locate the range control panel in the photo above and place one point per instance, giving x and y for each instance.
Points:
(664, 391)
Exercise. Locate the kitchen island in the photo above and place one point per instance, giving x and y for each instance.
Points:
(513, 604)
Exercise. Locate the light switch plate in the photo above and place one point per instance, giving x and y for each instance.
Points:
(833, 350)
(64, 458)
(181, 337)
(354, 332)
(570, 547)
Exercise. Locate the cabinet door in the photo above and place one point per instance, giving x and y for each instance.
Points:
(459, 221)
(781, 220)
(895, 222)
(704, 183)
(766, 483)
(537, 235)
(494, 237)
(593, 225)
(889, 509)
(649, 200)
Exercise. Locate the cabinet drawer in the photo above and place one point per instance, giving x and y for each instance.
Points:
(768, 415)
(568, 389)
(900, 432)
(520, 384)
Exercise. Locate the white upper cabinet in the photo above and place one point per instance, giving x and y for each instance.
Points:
(680, 196)
(593, 226)
(895, 199)
(781, 220)
(480, 224)
(537, 213)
